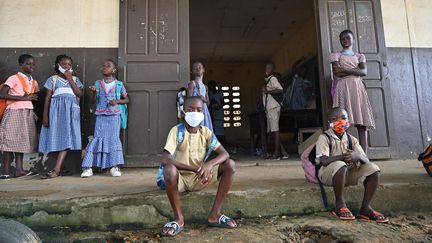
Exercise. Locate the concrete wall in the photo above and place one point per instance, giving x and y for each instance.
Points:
(59, 23)
(409, 54)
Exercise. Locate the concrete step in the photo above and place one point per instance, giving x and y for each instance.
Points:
(102, 202)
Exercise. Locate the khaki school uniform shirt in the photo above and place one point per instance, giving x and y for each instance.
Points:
(268, 100)
(193, 149)
(339, 146)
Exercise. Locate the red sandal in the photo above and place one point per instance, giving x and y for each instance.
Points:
(375, 216)
(344, 214)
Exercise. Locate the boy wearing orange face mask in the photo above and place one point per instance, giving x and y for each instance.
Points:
(342, 162)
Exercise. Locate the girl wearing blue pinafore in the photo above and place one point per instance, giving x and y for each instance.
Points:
(105, 149)
(196, 87)
(61, 130)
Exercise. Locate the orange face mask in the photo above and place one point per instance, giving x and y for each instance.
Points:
(340, 126)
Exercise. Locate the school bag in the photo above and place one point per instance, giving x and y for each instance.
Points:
(280, 98)
(426, 159)
(4, 103)
(180, 137)
(311, 168)
(123, 107)
(181, 96)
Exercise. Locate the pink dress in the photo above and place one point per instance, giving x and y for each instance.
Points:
(350, 93)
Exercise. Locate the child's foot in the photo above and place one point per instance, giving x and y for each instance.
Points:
(222, 222)
(50, 175)
(344, 214)
(370, 214)
(22, 173)
(87, 173)
(115, 171)
(172, 228)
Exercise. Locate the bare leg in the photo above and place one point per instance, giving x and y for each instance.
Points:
(171, 182)
(226, 173)
(19, 170)
(7, 159)
(370, 184)
(60, 160)
(363, 139)
(276, 144)
(338, 186)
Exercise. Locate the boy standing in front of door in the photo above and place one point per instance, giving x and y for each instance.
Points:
(271, 106)
(185, 168)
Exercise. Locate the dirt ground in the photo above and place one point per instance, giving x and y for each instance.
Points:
(320, 228)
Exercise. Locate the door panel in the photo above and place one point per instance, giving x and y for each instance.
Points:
(154, 58)
(365, 20)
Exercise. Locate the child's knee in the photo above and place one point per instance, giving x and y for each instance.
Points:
(170, 174)
(230, 166)
(342, 171)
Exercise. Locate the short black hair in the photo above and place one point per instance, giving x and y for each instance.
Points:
(347, 31)
(336, 110)
(59, 58)
(190, 98)
(23, 58)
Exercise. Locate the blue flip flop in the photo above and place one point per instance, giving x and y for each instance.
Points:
(172, 225)
(222, 222)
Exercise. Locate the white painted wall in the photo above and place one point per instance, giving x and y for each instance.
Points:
(407, 23)
(95, 23)
(59, 23)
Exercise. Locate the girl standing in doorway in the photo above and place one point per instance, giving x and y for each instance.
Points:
(18, 125)
(196, 87)
(105, 149)
(350, 92)
(61, 130)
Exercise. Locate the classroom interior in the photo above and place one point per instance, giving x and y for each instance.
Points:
(235, 39)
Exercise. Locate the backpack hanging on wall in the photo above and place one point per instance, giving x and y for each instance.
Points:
(426, 159)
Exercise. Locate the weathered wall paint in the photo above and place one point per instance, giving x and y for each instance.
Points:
(59, 23)
(407, 23)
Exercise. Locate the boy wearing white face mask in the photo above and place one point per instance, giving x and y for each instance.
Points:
(186, 170)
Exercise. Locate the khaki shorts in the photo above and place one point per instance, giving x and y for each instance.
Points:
(273, 116)
(187, 182)
(355, 175)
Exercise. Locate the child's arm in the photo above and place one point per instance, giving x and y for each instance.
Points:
(167, 159)
(205, 172)
(45, 118)
(338, 71)
(361, 70)
(190, 89)
(77, 91)
(275, 87)
(326, 160)
(4, 94)
(125, 100)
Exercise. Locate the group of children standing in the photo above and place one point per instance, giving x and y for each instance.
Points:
(61, 121)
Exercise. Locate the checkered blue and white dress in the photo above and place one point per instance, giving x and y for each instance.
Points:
(105, 149)
(64, 130)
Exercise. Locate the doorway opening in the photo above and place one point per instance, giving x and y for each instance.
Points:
(235, 39)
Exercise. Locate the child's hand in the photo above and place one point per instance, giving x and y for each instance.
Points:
(45, 121)
(68, 75)
(338, 69)
(92, 89)
(113, 102)
(205, 173)
(351, 157)
(30, 97)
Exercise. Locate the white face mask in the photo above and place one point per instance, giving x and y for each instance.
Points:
(62, 70)
(194, 118)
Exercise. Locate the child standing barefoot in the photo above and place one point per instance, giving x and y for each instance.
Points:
(18, 128)
(350, 94)
(61, 130)
(105, 150)
(196, 87)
